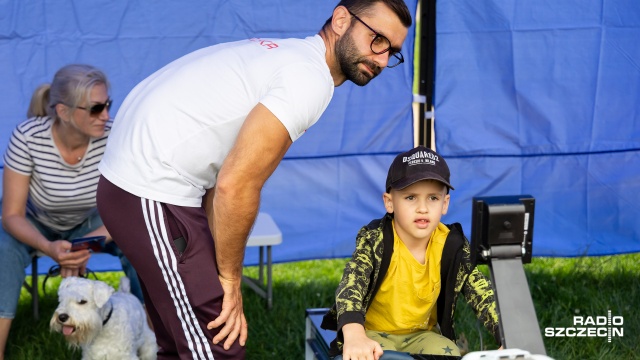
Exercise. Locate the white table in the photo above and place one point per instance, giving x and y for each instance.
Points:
(265, 234)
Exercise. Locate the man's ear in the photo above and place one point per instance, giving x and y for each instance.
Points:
(388, 204)
(341, 20)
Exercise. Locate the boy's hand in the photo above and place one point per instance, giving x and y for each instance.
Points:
(357, 346)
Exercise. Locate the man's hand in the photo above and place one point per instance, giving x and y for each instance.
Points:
(232, 315)
(357, 346)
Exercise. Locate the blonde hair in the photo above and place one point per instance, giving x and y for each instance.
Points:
(72, 85)
(39, 101)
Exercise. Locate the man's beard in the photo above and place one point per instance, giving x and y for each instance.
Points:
(348, 58)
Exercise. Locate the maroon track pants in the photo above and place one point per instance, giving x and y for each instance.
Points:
(182, 291)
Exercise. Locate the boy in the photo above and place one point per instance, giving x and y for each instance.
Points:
(399, 290)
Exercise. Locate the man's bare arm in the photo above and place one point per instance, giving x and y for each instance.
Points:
(259, 148)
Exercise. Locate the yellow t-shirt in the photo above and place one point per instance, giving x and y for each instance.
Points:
(406, 300)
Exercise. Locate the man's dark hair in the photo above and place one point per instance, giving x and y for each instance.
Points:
(363, 7)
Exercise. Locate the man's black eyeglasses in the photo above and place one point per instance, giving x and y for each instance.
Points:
(97, 109)
(380, 45)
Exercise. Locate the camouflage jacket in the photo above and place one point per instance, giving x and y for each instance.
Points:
(363, 275)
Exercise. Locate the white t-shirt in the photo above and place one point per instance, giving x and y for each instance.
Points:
(174, 130)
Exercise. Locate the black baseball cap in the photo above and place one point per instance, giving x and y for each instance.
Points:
(419, 163)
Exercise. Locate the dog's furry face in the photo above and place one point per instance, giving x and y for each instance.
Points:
(81, 309)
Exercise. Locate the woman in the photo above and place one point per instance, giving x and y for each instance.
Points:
(50, 179)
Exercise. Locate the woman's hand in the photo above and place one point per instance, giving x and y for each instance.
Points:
(72, 263)
(74, 271)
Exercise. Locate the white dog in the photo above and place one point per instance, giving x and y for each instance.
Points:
(104, 323)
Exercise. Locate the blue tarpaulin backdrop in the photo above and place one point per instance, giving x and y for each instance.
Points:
(531, 97)
(542, 98)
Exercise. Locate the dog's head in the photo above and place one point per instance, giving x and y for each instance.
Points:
(81, 309)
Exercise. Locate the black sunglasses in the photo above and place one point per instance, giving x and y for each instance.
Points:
(380, 45)
(97, 109)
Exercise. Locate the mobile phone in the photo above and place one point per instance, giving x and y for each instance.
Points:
(93, 243)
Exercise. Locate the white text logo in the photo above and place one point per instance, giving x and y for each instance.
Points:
(590, 326)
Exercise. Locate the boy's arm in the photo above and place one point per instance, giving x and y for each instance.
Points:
(479, 295)
(351, 292)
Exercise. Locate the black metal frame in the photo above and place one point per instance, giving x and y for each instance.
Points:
(426, 79)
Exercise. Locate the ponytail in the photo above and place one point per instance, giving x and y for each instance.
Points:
(39, 101)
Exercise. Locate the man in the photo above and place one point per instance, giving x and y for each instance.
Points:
(223, 116)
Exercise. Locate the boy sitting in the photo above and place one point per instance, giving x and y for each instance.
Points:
(399, 290)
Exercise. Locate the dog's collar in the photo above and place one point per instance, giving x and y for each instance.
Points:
(104, 322)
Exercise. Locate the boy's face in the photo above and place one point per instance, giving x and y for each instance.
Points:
(417, 208)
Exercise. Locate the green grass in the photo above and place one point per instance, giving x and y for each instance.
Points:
(560, 288)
